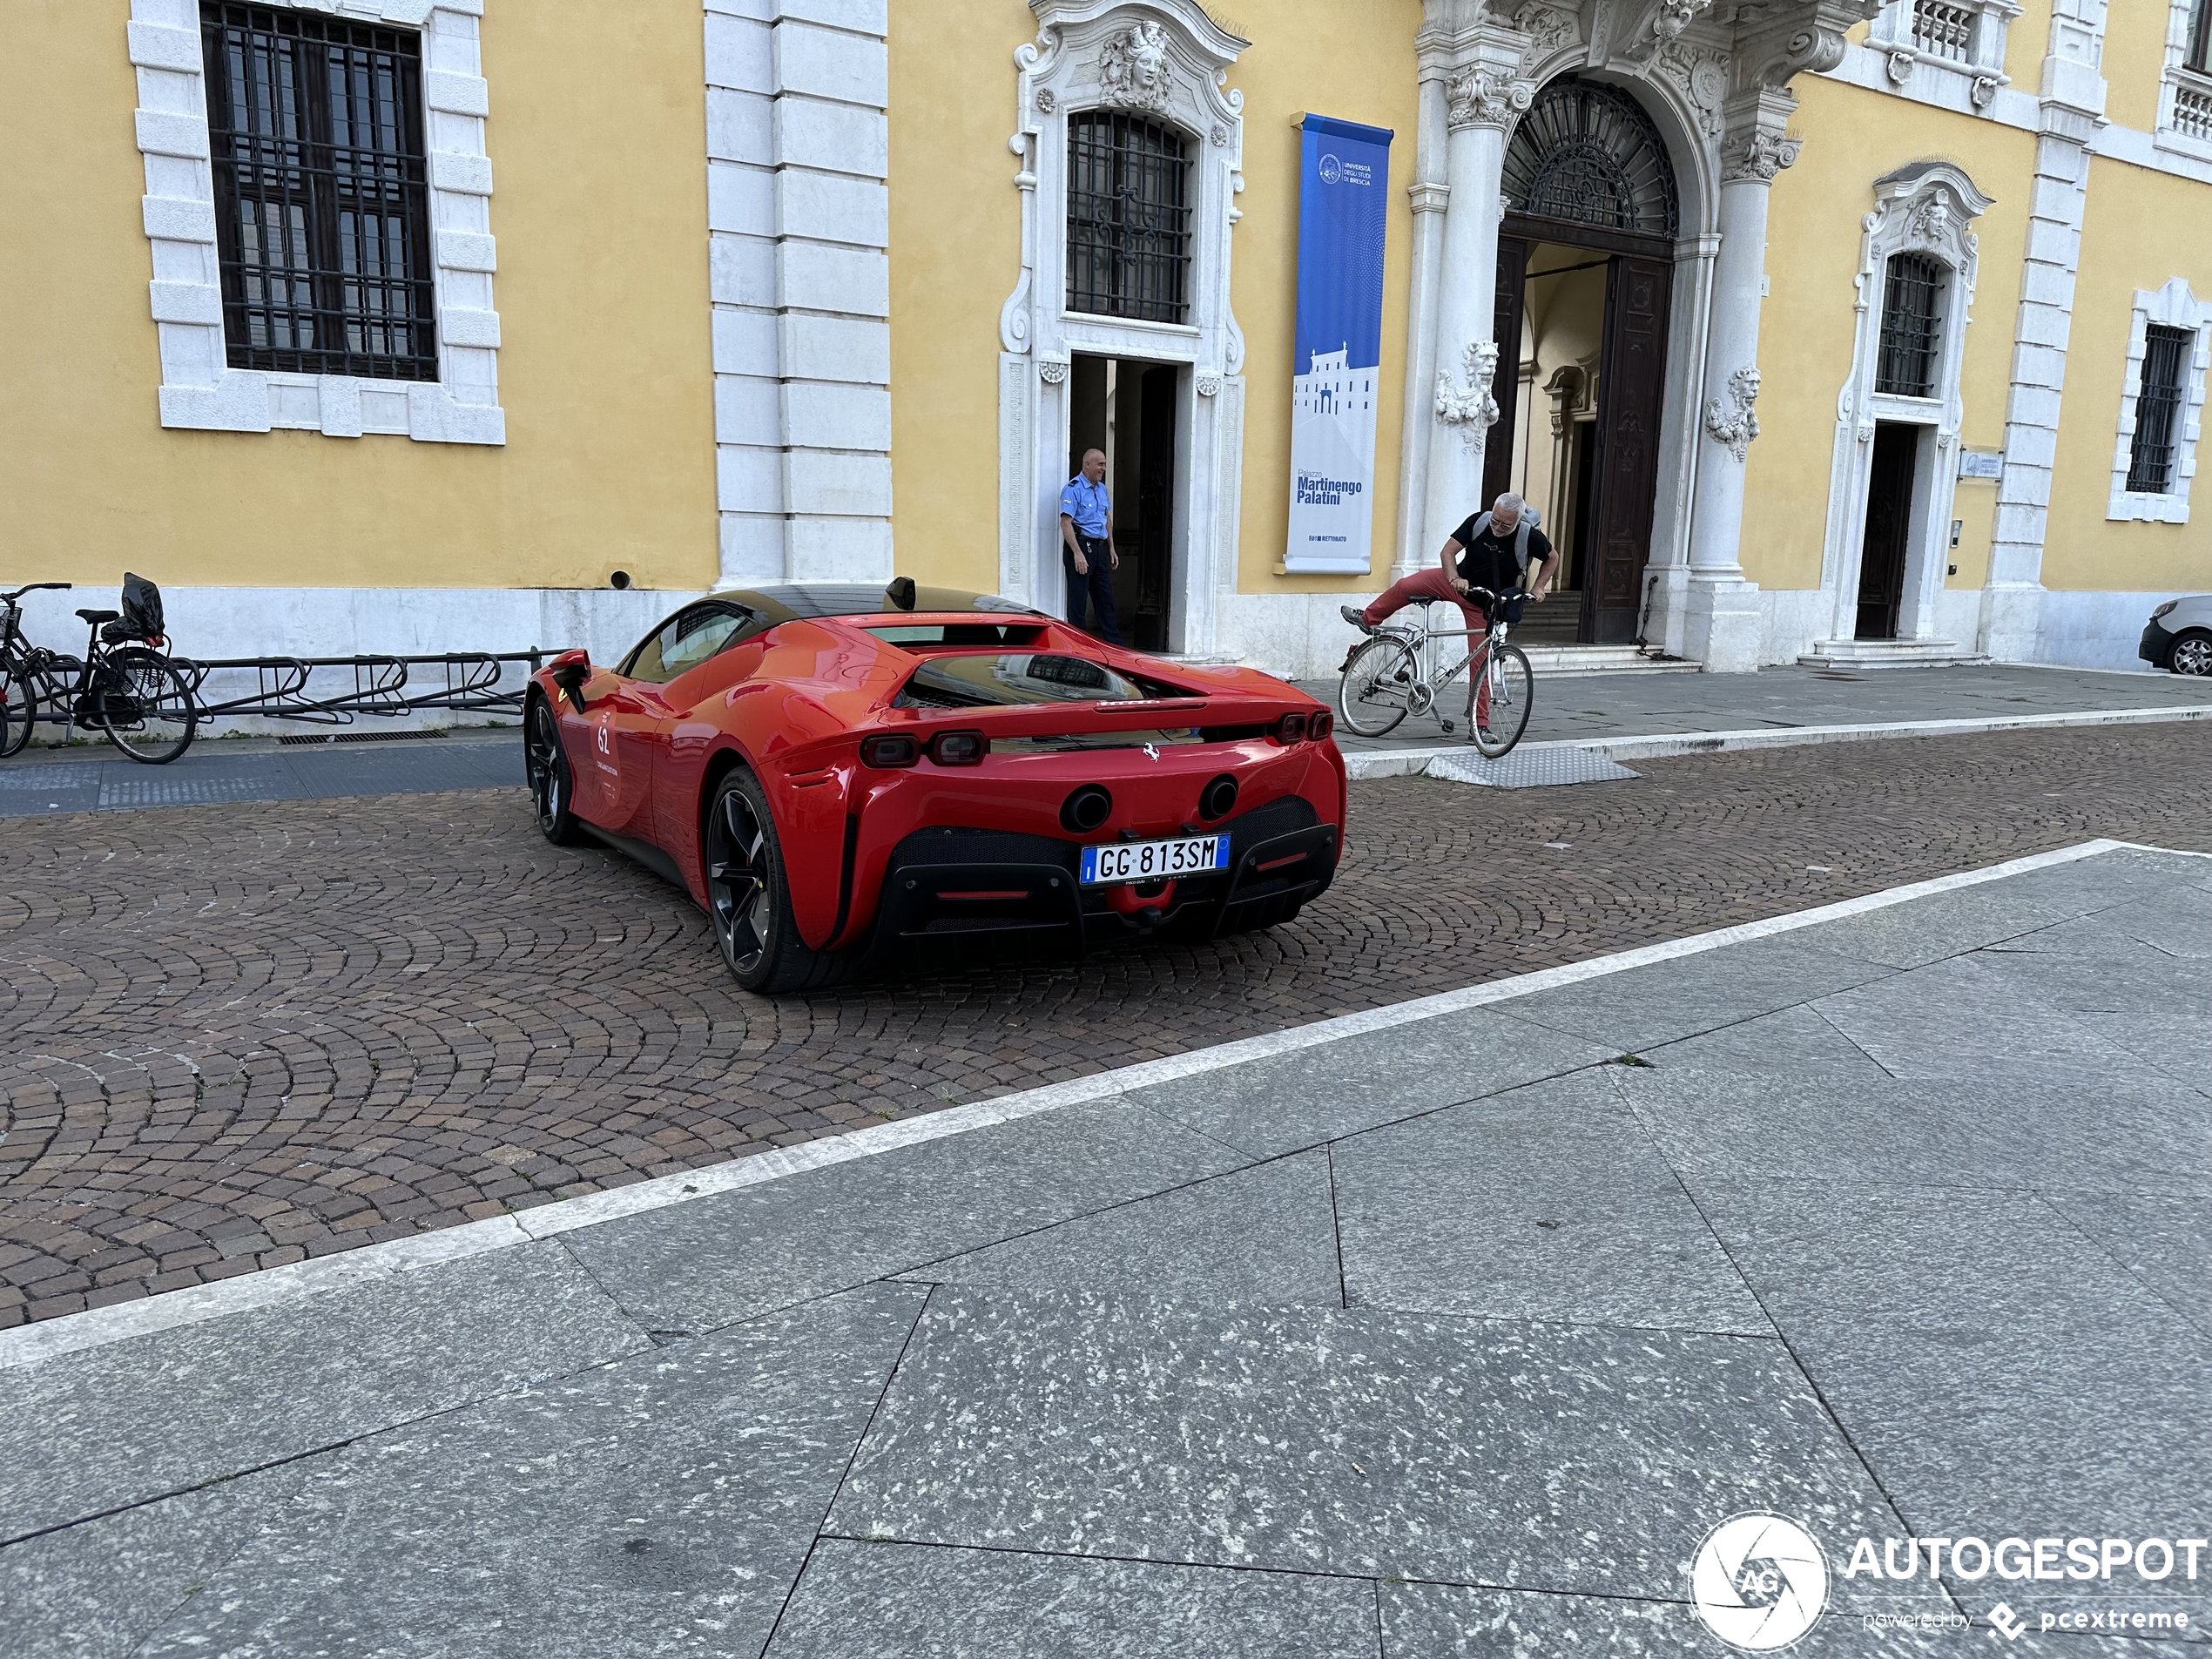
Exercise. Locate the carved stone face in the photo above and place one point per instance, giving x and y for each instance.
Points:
(1746, 383)
(1148, 54)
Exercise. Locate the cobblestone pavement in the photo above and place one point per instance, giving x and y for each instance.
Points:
(241, 1035)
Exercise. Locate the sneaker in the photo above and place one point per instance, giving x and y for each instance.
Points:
(1355, 619)
(1486, 734)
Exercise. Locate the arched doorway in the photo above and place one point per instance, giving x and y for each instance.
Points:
(1585, 259)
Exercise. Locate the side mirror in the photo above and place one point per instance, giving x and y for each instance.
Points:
(569, 671)
(901, 592)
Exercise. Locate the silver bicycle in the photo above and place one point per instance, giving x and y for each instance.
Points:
(1383, 681)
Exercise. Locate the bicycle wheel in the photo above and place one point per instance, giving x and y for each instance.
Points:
(18, 711)
(1513, 694)
(144, 705)
(1376, 682)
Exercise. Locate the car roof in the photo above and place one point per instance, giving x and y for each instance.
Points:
(791, 601)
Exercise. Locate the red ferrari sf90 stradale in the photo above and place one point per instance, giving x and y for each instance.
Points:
(835, 771)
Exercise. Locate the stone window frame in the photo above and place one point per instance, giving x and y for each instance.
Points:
(1979, 76)
(1169, 61)
(2173, 305)
(1926, 207)
(2180, 81)
(199, 390)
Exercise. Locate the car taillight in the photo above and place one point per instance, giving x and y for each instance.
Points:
(1318, 725)
(1290, 729)
(888, 754)
(959, 748)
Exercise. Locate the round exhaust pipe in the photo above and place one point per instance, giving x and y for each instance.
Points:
(1217, 799)
(1086, 809)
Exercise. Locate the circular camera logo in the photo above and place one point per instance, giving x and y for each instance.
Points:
(1759, 1581)
(1331, 169)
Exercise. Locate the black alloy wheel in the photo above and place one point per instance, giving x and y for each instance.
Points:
(749, 896)
(552, 785)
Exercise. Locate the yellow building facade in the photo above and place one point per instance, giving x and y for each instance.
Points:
(1813, 329)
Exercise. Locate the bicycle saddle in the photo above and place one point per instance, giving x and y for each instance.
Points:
(96, 617)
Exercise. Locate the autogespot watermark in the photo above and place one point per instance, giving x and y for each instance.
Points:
(1760, 1580)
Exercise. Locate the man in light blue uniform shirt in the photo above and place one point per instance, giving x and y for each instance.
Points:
(1087, 546)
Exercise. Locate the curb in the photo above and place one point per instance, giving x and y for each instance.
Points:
(1393, 763)
(299, 1281)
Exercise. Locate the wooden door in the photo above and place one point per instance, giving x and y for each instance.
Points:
(1505, 385)
(1889, 518)
(1631, 379)
(1154, 508)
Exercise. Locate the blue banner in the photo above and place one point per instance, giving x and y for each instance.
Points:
(1343, 179)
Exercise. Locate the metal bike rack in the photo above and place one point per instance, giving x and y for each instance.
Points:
(333, 690)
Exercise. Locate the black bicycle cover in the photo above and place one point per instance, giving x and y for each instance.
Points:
(142, 607)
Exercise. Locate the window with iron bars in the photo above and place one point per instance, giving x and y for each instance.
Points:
(1129, 218)
(2158, 410)
(1911, 321)
(322, 193)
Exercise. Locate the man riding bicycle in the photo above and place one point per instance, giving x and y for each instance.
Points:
(1500, 552)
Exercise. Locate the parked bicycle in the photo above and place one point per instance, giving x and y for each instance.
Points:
(1383, 681)
(123, 687)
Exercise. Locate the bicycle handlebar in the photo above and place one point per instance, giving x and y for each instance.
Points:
(34, 588)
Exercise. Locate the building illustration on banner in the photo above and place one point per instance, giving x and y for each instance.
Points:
(1339, 347)
(1333, 450)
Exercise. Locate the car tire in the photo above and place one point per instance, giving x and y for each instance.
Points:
(2192, 653)
(748, 896)
(545, 762)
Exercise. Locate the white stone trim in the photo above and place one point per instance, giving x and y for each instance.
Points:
(2171, 306)
(198, 388)
(1080, 61)
(2160, 150)
(1972, 83)
(2184, 123)
(1927, 208)
(798, 142)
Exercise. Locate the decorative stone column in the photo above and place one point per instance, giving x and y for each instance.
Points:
(1482, 99)
(1725, 624)
(1428, 195)
(2070, 111)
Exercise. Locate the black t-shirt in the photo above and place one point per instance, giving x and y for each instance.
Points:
(1488, 560)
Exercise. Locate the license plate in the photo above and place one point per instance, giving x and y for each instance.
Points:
(1153, 861)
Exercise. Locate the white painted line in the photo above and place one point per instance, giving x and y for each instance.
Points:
(275, 1286)
(1392, 763)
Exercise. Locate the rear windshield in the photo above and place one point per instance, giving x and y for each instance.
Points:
(987, 680)
(956, 634)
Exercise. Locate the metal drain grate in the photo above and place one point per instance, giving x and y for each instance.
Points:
(320, 737)
(1536, 768)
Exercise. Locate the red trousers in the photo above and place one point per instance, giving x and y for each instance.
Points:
(1433, 584)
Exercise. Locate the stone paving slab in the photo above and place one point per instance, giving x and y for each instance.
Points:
(730, 1257)
(1263, 1235)
(1548, 1203)
(1097, 1403)
(859, 1600)
(1385, 1444)
(272, 1384)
